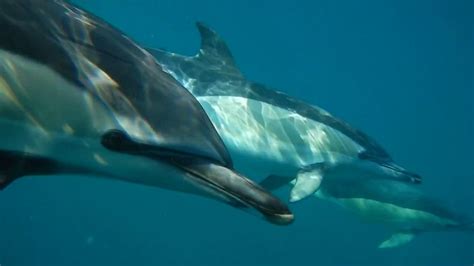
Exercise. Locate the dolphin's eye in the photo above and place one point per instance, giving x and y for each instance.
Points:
(115, 139)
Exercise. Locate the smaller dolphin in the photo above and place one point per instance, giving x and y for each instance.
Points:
(270, 133)
(401, 206)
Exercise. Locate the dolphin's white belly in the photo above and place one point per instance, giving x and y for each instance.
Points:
(271, 140)
(43, 114)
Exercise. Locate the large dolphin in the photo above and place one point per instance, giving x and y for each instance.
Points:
(402, 207)
(77, 96)
(268, 132)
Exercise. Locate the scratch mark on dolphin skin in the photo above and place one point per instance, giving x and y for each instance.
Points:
(8, 92)
(100, 159)
(68, 129)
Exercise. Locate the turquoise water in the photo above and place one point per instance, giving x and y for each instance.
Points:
(400, 71)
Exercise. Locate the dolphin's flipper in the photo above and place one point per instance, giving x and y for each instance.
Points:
(308, 181)
(209, 173)
(397, 239)
(14, 165)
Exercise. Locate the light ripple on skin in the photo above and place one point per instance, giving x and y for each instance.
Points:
(235, 118)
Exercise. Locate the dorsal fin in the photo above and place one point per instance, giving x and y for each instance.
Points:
(214, 55)
(215, 52)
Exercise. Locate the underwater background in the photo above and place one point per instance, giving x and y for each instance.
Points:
(401, 71)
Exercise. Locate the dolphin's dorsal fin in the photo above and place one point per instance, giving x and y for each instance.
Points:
(215, 52)
(214, 56)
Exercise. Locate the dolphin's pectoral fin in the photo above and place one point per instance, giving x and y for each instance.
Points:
(397, 239)
(307, 182)
(14, 164)
(274, 182)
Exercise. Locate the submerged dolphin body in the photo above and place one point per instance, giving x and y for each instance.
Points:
(78, 96)
(402, 207)
(270, 133)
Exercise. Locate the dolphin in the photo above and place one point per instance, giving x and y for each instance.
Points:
(402, 207)
(79, 97)
(268, 132)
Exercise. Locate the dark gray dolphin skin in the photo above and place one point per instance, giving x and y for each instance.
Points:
(77, 96)
(280, 134)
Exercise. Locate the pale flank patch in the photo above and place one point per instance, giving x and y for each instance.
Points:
(273, 132)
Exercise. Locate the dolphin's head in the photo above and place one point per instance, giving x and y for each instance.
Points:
(208, 177)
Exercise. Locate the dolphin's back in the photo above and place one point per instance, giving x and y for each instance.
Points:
(109, 67)
(214, 64)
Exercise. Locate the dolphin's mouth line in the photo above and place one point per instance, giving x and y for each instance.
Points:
(414, 177)
(283, 218)
(217, 187)
(239, 200)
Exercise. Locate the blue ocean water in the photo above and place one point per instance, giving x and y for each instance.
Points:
(401, 71)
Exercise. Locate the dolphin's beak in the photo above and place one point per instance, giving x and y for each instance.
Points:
(403, 173)
(238, 191)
